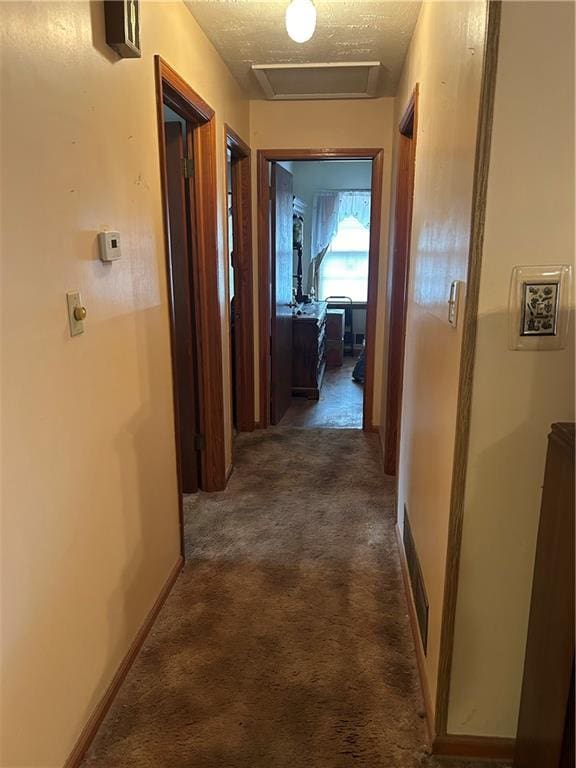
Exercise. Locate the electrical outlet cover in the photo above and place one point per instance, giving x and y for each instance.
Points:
(539, 307)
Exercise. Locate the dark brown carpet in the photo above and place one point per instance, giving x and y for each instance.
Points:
(285, 643)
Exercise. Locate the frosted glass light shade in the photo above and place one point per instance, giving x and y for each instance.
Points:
(301, 20)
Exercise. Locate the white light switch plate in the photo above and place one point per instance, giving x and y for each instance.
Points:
(74, 300)
(453, 303)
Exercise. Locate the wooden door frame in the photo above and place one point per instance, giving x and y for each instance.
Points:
(281, 285)
(264, 157)
(182, 244)
(399, 276)
(171, 89)
(502, 748)
(241, 173)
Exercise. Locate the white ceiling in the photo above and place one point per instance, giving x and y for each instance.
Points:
(247, 32)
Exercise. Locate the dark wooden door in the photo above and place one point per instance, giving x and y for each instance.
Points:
(281, 293)
(181, 287)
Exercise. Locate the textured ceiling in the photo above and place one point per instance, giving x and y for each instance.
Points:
(247, 32)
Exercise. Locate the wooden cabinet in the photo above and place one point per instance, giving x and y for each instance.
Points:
(309, 350)
(545, 736)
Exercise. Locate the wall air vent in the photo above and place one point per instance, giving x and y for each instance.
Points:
(334, 80)
(416, 581)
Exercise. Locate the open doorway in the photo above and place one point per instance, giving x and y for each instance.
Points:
(319, 272)
(330, 248)
(179, 160)
(187, 146)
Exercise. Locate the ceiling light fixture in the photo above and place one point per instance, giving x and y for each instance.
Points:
(301, 20)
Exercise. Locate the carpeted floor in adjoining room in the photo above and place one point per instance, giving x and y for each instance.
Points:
(286, 642)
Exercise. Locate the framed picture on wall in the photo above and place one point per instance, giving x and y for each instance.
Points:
(122, 20)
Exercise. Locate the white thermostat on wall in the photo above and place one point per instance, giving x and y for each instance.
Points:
(109, 244)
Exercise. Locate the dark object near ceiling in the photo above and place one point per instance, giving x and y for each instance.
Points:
(122, 20)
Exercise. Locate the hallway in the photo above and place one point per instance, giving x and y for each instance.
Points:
(286, 640)
(200, 176)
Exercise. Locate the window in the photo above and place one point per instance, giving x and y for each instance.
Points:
(344, 268)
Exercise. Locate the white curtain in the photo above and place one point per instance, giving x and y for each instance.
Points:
(325, 220)
(330, 208)
(357, 204)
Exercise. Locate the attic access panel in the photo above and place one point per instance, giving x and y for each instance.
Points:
(333, 80)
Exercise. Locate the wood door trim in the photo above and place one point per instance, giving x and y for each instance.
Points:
(373, 269)
(264, 293)
(475, 747)
(320, 154)
(243, 282)
(281, 282)
(184, 98)
(467, 355)
(172, 89)
(213, 458)
(265, 156)
(238, 146)
(399, 277)
(94, 722)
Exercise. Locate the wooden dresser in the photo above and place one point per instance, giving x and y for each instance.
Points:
(309, 350)
(545, 736)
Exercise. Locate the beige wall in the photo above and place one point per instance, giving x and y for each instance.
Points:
(89, 504)
(335, 124)
(517, 395)
(445, 59)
